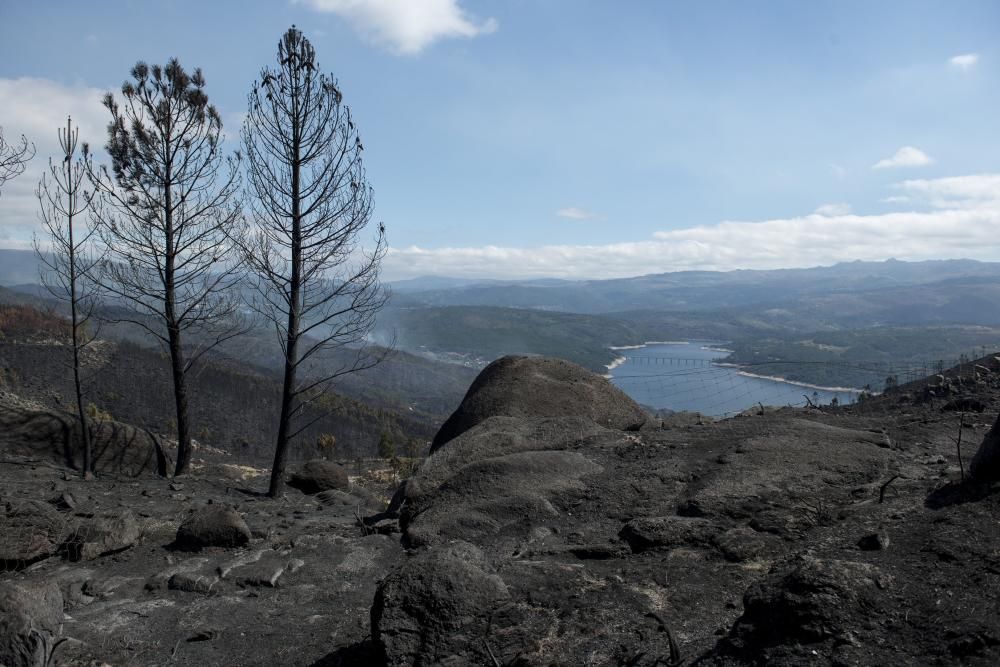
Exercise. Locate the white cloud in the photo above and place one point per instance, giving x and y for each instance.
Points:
(907, 156)
(963, 222)
(36, 108)
(574, 213)
(833, 209)
(405, 26)
(964, 61)
(974, 191)
(895, 199)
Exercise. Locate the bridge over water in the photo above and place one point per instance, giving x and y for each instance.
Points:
(693, 377)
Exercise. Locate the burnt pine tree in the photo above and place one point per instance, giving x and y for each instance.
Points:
(67, 258)
(166, 217)
(309, 202)
(14, 157)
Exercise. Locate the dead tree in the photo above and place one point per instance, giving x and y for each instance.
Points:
(167, 217)
(69, 258)
(309, 203)
(14, 157)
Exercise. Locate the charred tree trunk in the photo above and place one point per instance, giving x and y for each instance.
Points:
(174, 341)
(314, 282)
(289, 386)
(169, 216)
(88, 452)
(180, 402)
(67, 262)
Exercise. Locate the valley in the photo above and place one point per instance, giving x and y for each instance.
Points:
(851, 325)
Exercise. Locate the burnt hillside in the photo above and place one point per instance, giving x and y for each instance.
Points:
(231, 409)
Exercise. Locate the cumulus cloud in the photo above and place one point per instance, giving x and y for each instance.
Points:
(36, 108)
(964, 61)
(907, 156)
(833, 209)
(961, 221)
(974, 191)
(574, 213)
(405, 26)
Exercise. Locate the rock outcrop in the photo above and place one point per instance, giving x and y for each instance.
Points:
(31, 616)
(806, 602)
(532, 387)
(118, 448)
(985, 465)
(497, 480)
(212, 526)
(101, 535)
(319, 475)
(29, 530)
(659, 532)
(436, 608)
(609, 546)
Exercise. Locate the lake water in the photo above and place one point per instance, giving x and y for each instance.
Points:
(687, 376)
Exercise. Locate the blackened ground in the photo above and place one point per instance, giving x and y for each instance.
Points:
(791, 537)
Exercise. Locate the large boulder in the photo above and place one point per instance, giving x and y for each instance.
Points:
(101, 535)
(530, 387)
(667, 532)
(212, 526)
(119, 449)
(496, 481)
(319, 475)
(807, 602)
(436, 608)
(31, 614)
(986, 463)
(29, 530)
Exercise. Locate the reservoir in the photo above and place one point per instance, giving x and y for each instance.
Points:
(687, 376)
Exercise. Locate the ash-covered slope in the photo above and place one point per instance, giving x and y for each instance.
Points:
(821, 537)
(232, 408)
(792, 537)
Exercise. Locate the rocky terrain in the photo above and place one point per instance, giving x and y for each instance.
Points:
(553, 524)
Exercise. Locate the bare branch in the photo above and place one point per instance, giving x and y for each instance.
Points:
(168, 211)
(67, 266)
(309, 203)
(14, 157)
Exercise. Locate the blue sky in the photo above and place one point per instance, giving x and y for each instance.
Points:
(588, 139)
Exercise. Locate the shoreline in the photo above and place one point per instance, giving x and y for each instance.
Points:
(740, 369)
(647, 344)
(616, 363)
(775, 378)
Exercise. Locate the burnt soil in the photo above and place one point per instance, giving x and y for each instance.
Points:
(764, 491)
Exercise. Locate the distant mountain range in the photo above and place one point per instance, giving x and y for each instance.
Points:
(889, 312)
(943, 290)
(695, 290)
(940, 308)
